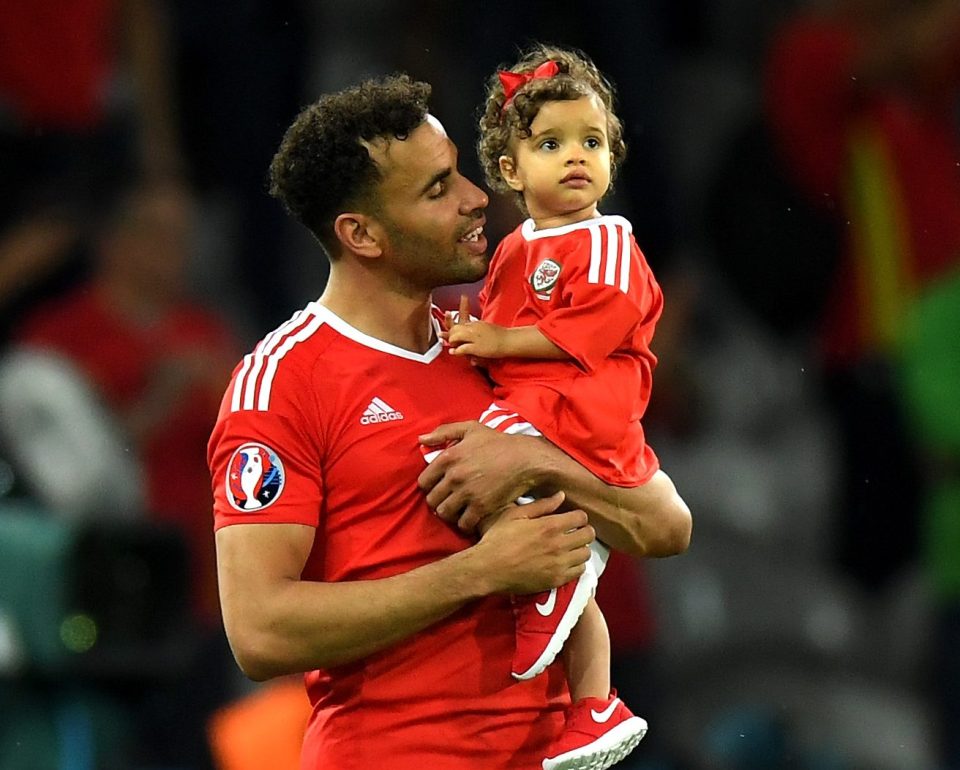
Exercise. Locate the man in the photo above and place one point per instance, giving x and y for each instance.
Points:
(330, 560)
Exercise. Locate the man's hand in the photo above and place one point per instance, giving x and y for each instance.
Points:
(467, 337)
(526, 551)
(480, 473)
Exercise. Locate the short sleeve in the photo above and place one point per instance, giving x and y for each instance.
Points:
(604, 295)
(265, 467)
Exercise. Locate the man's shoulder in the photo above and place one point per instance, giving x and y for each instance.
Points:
(284, 359)
(303, 338)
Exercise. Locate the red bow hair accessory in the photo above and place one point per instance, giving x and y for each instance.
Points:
(513, 81)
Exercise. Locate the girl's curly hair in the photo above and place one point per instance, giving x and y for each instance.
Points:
(578, 76)
(322, 168)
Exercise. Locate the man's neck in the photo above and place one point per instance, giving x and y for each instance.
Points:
(401, 320)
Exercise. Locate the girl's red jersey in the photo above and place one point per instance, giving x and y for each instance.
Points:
(587, 287)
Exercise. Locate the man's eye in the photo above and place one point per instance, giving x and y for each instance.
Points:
(437, 190)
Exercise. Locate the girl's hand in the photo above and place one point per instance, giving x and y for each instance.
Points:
(467, 337)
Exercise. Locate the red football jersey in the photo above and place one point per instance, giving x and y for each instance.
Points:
(319, 426)
(588, 288)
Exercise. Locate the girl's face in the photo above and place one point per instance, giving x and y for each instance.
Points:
(563, 167)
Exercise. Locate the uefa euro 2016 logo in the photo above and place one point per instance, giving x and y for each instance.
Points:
(254, 477)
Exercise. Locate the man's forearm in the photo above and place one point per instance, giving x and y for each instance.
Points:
(306, 625)
(278, 623)
(649, 520)
(483, 469)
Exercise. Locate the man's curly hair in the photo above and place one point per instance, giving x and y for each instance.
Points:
(578, 76)
(322, 168)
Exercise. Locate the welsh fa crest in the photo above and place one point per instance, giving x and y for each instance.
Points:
(545, 277)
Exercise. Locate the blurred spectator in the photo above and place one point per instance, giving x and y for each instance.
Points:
(774, 247)
(159, 362)
(861, 97)
(931, 380)
(62, 446)
(85, 101)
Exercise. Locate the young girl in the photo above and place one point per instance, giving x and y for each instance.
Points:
(569, 309)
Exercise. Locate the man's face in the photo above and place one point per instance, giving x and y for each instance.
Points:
(432, 215)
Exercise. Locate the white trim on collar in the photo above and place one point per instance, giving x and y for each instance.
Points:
(342, 327)
(529, 234)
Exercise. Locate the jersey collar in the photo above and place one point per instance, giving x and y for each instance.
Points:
(530, 234)
(342, 327)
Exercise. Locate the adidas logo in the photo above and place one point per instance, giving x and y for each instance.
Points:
(379, 411)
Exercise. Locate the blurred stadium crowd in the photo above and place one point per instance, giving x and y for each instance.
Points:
(793, 176)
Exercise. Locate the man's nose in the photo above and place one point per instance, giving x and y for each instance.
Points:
(473, 199)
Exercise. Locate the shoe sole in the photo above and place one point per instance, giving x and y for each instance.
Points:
(607, 750)
(586, 585)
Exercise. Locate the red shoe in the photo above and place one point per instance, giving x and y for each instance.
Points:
(596, 734)
(544, 621)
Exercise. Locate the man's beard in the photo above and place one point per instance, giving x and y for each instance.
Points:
(429, 266)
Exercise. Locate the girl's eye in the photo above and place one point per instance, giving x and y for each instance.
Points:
(549, 144)
(593, 143)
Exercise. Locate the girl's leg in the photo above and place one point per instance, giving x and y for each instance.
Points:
(586, 656)
(599, 730)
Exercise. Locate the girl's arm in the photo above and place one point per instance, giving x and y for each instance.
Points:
(486, 340)
(468, 337)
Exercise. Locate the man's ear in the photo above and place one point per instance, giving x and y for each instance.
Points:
(508, 170)
(359, 234)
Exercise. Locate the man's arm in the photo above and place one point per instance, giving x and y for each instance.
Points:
(485, 468)
(279, 624)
